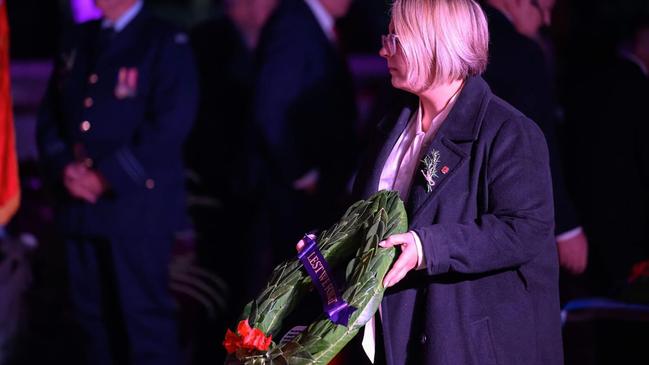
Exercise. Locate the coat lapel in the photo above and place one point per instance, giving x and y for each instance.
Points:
(453, 142)
(75, 63)
(451, 158)
(391, 137)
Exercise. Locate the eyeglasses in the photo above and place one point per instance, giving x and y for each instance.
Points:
(389, 42)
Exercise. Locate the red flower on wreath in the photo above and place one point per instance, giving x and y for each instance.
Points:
(232, 342)
(246, 338)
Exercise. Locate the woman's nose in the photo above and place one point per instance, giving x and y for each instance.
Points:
(383, 52)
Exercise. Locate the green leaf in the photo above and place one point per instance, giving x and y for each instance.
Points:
(352, 241)
(253, 312)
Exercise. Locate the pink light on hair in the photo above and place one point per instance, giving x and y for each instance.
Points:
(84, 10)
(442, 40)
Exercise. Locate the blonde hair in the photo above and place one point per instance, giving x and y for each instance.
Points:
(442, 40)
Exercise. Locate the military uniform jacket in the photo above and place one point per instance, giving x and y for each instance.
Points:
(122, 103)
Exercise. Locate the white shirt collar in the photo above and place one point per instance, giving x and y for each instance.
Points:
(125, 19)
(325, 19)
(437, 120)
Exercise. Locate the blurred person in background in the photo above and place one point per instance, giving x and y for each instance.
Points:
(608, 116)
(215, 153)
(121, 99)
(303, 121)
(518, 72)
(216, 149)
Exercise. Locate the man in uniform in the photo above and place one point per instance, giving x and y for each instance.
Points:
(120, 102)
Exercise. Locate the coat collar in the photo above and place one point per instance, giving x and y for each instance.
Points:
(463, 122)
(462, 125)
(388, 134)
(453, 143)
(498, 20)
(325, 20)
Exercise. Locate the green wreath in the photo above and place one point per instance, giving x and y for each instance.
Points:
(356, 237)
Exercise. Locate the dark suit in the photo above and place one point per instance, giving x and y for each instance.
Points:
(489, 292)
(226, 84)
(119, 248)
(304, 115)
(608, 119)
(217, 146)
(517, 72)
(215, 152)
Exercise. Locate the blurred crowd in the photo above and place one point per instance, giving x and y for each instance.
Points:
(215, 148)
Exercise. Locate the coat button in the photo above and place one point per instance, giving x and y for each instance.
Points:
(150, 184)
(93, 78)
(87, 102)
(85, 126)
(423, 339)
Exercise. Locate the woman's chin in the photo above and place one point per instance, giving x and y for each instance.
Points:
(400, 84)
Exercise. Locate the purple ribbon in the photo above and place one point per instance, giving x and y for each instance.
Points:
(336, 308)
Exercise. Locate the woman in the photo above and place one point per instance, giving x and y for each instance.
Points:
(476, 279)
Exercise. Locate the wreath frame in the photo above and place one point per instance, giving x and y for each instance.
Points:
(352, 240)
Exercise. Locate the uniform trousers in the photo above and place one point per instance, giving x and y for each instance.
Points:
(120, 296)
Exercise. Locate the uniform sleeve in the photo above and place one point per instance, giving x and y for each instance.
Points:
(54, 151)
(171, 111)
(519, 219)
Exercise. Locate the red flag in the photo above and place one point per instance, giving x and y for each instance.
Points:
(9, 184)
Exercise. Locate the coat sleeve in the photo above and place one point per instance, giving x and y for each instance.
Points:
(170, 114)
(518, 222)
(53, 149)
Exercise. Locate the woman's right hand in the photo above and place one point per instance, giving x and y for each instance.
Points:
(407, 260)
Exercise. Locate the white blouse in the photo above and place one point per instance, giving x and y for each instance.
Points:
(397, 174)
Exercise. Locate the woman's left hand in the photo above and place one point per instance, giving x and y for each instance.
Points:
(406, 261)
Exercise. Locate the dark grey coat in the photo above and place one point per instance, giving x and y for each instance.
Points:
(489, 293)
